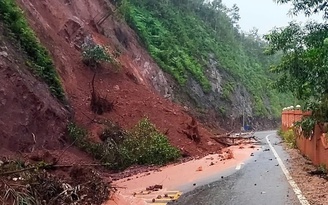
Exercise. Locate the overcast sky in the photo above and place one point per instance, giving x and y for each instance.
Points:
(264, 14)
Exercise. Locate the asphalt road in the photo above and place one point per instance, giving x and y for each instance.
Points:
(261, 181)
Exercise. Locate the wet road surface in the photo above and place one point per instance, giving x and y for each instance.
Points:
(261, 181)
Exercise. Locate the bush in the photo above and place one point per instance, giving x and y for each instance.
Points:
(146, 145)
(143, 145)
(40, 60)
(288, 137)
(92, 55)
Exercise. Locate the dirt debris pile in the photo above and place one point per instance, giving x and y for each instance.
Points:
(40, 183)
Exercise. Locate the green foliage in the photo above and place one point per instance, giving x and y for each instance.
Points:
(41, 62)
(182, 35)
(93, 55)
(303, 69)
(307, 126)
(227, 90)
(322, 168)
(144, 144)
(308, 7)
(288, 137)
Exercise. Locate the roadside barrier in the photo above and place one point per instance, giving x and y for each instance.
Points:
(314, 147)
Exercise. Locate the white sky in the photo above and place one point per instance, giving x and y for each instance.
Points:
(265, 14)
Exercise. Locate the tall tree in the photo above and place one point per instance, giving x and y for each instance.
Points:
(304, 65)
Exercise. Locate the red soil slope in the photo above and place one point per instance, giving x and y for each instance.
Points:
(61, 25)
(30, 118)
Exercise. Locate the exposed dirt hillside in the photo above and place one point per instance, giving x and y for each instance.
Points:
(137, 89)
(30, 117)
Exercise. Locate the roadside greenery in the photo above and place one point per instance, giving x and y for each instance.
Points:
(39, 59)
(182, 35)
(143, 145)
(303, 69)
(288, 137)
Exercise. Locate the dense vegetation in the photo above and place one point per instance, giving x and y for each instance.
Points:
(144, 144)
(182, 35)
(303, 69)
(39, 59)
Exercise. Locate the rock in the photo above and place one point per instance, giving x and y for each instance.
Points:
(116, 87)
(209, 143)
(4, 54)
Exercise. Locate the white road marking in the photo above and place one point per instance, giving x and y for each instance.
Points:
(292, 183)
(238, 167)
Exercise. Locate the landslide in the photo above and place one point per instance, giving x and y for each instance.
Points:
(37, 165)
(31, 118)
(136, 88)
(219, 69)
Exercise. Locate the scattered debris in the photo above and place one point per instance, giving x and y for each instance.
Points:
(229, 154)
(35, 184)
(99, 104)
(228, 140)
(192, 131)
(154, 188)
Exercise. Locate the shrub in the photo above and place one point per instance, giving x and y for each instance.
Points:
(93, 55)
(288, 137)
(144, 144)
(40, 60)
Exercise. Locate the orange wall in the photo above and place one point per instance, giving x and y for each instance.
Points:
(315, 148)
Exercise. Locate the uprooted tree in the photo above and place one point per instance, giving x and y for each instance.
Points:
(93, 55)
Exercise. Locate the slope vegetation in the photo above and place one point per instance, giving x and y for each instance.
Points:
(191, 40)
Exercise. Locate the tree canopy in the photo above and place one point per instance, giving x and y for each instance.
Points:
(303, 68)
(307, 7)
